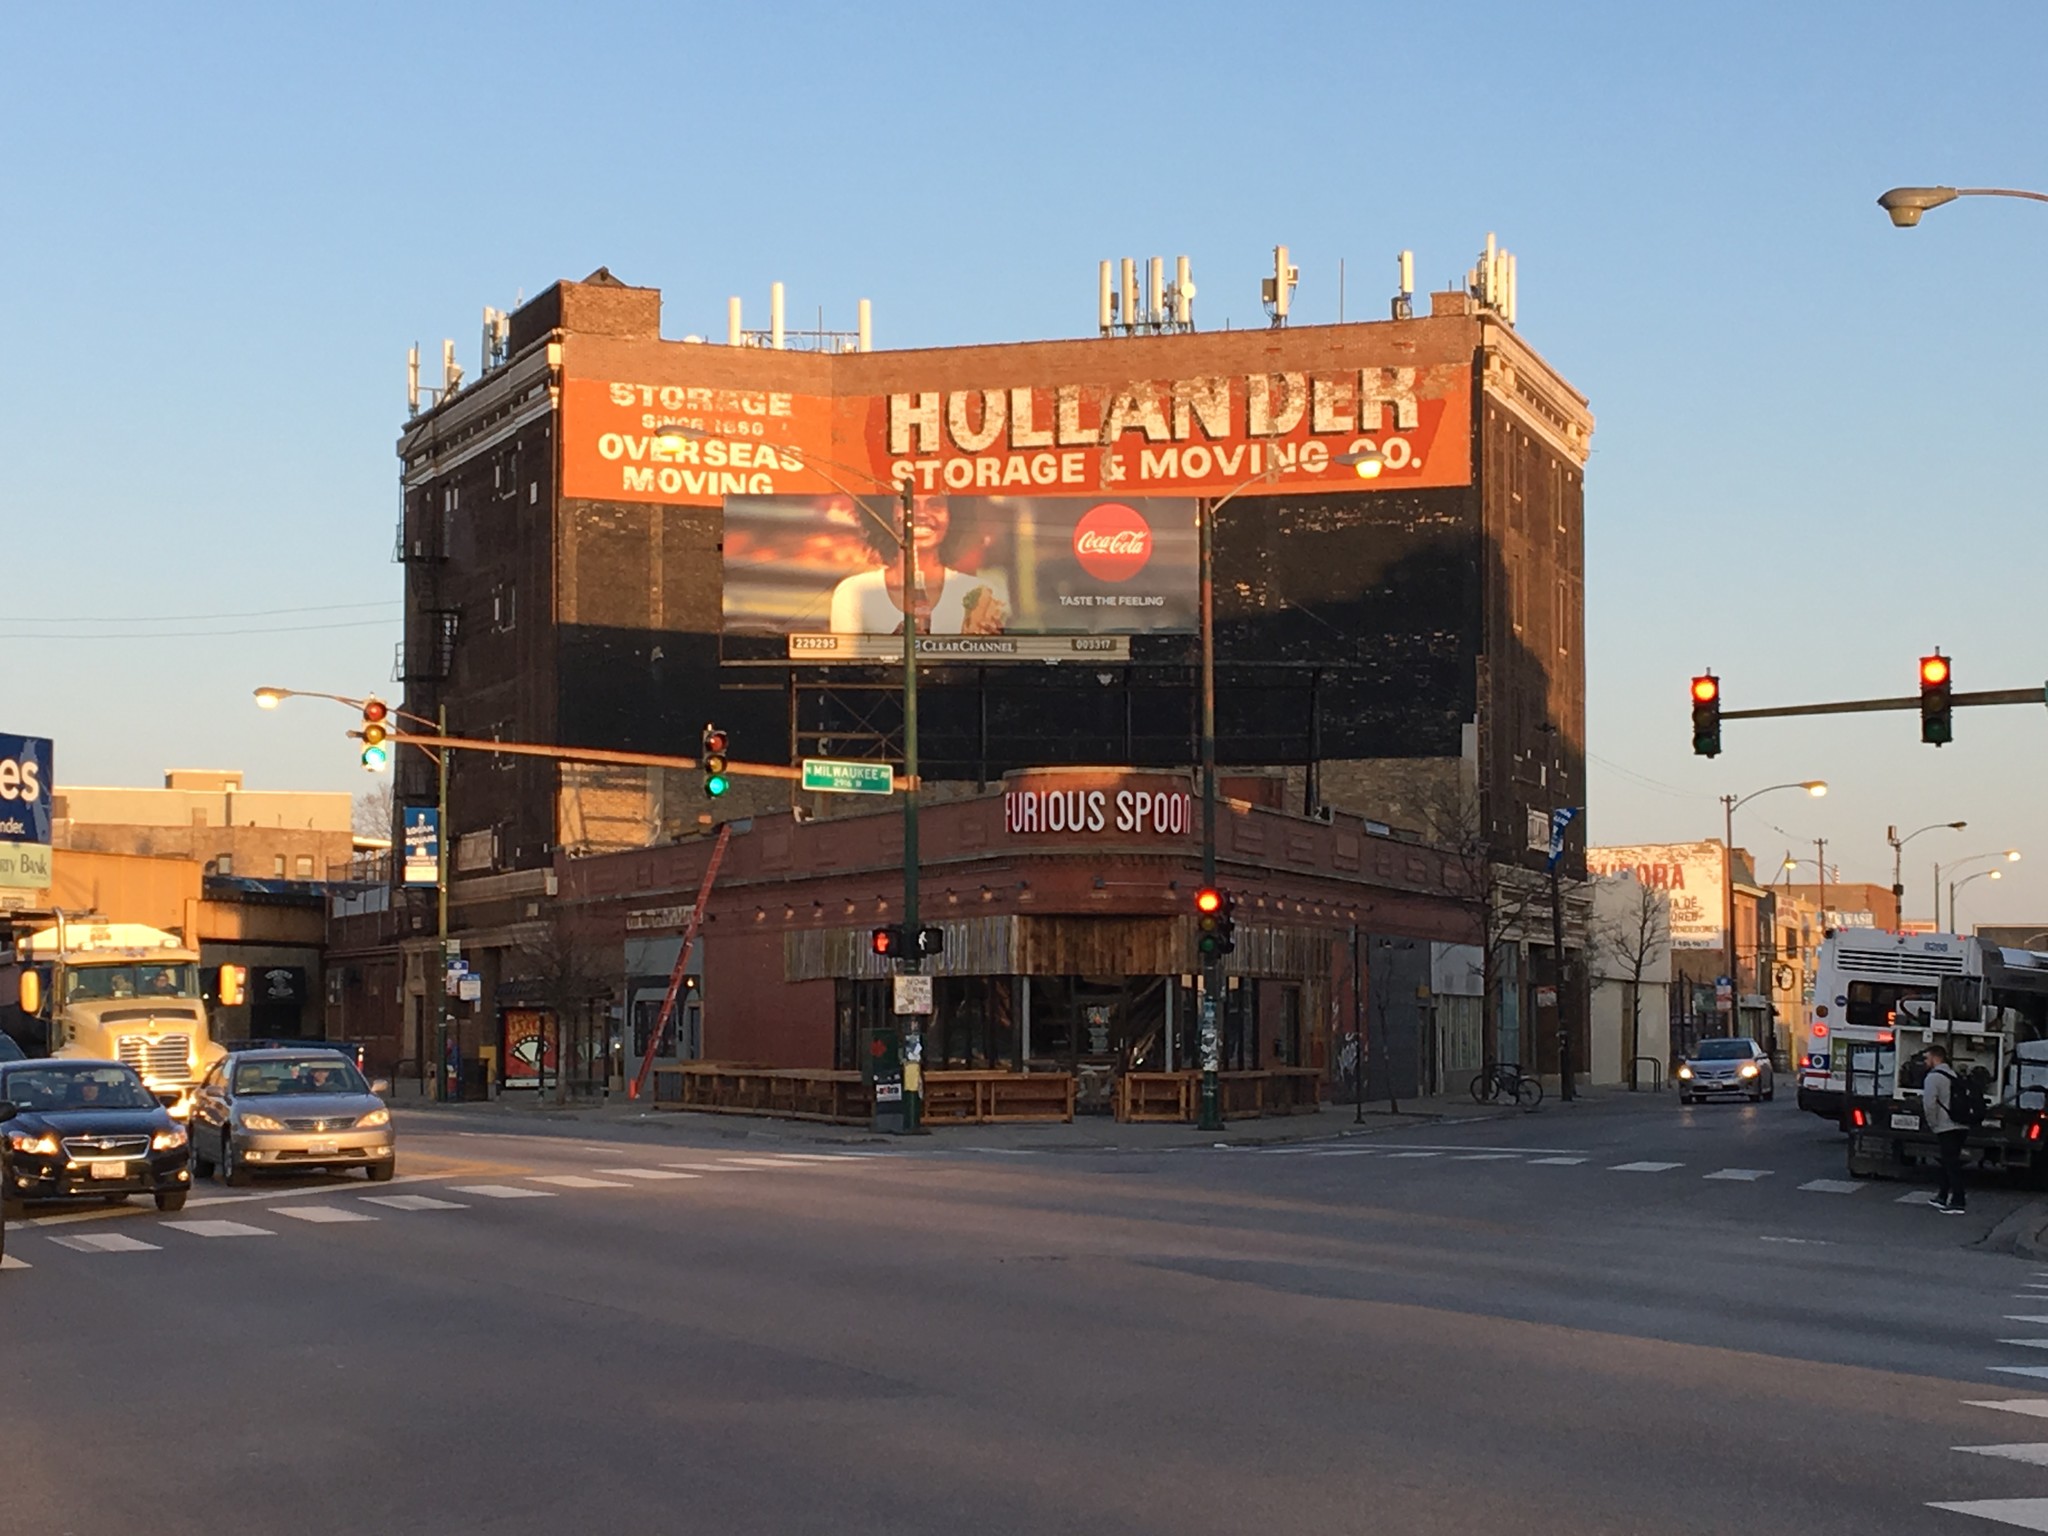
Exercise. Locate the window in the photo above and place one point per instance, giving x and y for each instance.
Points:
(304, 866)
(504, 605)
(277, 866)
(532, 492)
(224, 865)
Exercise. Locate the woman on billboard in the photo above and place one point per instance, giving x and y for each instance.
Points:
(948, 601)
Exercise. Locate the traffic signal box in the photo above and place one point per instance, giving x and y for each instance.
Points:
(894, 942)
(1936, 707)
(714, 760)
(376, 735)
(1706, 715)
(1215, 929)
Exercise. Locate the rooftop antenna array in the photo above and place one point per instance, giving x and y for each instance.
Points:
(1277, 292)
(451, 378)
(780, 337)
(1492, 280)
(497, 339)
(1160, 307)
(1404, 294)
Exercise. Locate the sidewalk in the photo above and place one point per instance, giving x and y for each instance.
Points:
(1091, 1133)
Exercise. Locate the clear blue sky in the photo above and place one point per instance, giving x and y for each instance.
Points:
(1817, 454)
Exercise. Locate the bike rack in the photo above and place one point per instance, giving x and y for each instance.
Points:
(1657, 1074)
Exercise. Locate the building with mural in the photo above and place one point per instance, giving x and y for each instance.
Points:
(612, 539)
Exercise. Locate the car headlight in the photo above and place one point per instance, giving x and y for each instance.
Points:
(34, 1146)
(251, 1122)
(1685, 1072)
(164, 1141)
(1749, 1069)
(376, 1117)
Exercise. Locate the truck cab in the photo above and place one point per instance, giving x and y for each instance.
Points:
(119, 992)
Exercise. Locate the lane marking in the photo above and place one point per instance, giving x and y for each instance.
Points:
(2027, 1514)
(1488, 1157)
(11, 1262)
(1746, 1175)
(2032, 1455)
(2035, 1372)
(2014, 1317)
(501, 1191)
(2032, 1407)
(693, 1170)
(1833, 1186)
(1916, 1197)
(2026, 1343)
(577, 1181)
(648, 1173)
(1644, 1167)
(416, 1203)
(321, 1213)
(766, 1162)
(218, 1228)
(1555, 1162)
(1424, 1146)
(201, 1202)
(1810, 1242)
(107, 1242)
(1415, 1154)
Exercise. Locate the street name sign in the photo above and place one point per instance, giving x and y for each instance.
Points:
(838, 777)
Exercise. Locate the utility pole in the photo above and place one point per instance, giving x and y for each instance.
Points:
(912, 959)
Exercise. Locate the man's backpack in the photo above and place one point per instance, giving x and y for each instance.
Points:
(1966, 1103)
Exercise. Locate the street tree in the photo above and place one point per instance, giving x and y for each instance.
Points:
(562, 969)
(1636, 936)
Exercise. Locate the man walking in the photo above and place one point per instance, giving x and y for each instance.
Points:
(1937, 1098)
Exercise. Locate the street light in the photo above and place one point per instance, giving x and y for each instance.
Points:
(1730, 804)
(1957, 885)
(270, 698)
(1906, 204)
(2010, 855)
(1898, 881)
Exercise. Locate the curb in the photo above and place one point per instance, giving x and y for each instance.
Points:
(2023, 1233)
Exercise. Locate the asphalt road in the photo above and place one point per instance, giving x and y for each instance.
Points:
(1498, 1327)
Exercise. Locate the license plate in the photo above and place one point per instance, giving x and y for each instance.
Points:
(1905, 1122)
(323, 1148)
(106, 1170)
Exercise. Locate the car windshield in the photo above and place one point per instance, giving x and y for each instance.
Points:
(297, 1074)
(1724, 1050)
(60, 1085)
(91, 983)
(9, 1051)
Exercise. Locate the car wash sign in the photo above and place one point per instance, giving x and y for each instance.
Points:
(25, 783)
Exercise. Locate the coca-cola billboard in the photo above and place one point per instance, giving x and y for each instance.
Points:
(997, 577)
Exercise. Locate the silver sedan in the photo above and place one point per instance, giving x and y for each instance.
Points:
(289, 1109)
(1737, 1067)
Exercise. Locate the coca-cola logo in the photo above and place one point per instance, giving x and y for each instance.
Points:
(1112, 542)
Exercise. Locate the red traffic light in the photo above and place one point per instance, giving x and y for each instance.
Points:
(1933, 670)
(375, 710)
(887, 941)
(1208, 899)
(1706, 689)
(714, 743)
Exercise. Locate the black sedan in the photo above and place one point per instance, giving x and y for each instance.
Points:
(86, 1130)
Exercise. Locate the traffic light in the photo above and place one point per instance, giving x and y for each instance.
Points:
(1214, 930)
(376, 735)
(931, 941)
(1706, 715)
(715, 781)
(1935, 706)
(233, 985)
(889, 941)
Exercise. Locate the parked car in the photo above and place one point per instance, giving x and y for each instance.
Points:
(303, 1109)
(1739, 1066)
(89, 1130)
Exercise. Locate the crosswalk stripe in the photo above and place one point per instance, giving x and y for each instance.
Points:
(416, 1203)
(1833, 1186)
(1916, 1197)
(2026, 1343)
(320, 1213)
(2027, 1514)
(2016, 1317)
(1746, 1175)
(648, 1173)
(2033, 1372)
(107, 1242)
(1414, 1154)
(692, 1169)
(1644, 1167)
(1555, 1162)
(2032, 1455)
(577, 1181)
(501, 1191)
(9, 1261)
(2032, 1407)
(1489, 1157)
(219, 1227)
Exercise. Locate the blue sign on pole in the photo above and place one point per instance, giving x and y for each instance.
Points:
(26, 780)
(422, 845)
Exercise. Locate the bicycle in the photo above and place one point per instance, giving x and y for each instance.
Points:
(1506, 1079)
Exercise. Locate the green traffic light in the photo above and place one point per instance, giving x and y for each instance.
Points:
(716, 784)
(377, 758)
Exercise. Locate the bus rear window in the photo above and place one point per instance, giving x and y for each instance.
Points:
(1872, 1003)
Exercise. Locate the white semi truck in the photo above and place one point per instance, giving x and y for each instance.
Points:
(120, 992)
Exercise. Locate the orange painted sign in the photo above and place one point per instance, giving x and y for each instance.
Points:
(1205, 435)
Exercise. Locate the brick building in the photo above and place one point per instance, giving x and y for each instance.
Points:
(1399, 653)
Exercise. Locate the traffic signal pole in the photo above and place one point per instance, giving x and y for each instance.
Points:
(1212, 964)
(912, 959)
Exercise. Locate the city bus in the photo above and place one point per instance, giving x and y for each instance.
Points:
(1864, 977)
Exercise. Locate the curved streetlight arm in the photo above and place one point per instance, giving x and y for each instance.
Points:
(1805, 784)
(1936, 826)
(269, 697)
(1906, 204)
